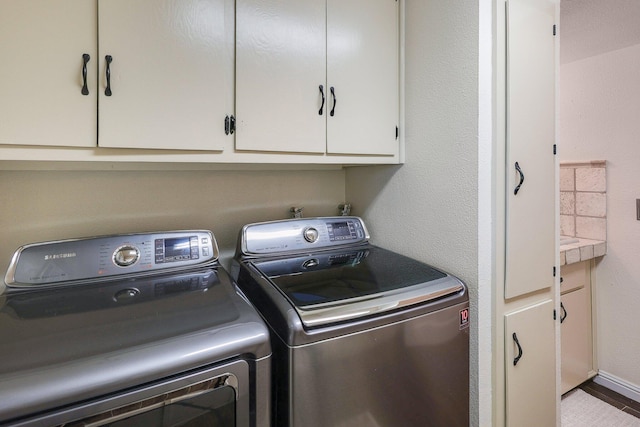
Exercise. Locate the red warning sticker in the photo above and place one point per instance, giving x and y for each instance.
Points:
(464, 318)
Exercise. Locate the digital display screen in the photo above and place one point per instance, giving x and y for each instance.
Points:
(340, 229)
(176, 249)
(343, 230)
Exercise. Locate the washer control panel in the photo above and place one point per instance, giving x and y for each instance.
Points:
(58, 262)
(302, 234)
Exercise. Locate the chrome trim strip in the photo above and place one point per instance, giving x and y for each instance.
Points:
(341, 311)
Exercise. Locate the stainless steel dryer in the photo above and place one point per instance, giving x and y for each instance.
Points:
(130, 330)
(361, 336)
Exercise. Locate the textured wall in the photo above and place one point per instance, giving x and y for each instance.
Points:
(599, 111)
(428, 208)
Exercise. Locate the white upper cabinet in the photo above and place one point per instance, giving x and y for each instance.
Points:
(362, 70)
(171, 73)
(42, 43)
(316, 77)
(530, 168)
(280, 66)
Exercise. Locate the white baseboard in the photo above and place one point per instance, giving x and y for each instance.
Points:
(618, 385)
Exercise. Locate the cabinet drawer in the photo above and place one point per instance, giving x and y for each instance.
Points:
(574, 276)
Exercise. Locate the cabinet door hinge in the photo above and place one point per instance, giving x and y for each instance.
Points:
(555, 149)
(554, 271)
(554, 314)
(554, 29)
(397, 132)
(229, 125)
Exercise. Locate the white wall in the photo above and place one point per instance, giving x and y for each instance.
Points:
(428, 208)
(600, 120)
(48, 205)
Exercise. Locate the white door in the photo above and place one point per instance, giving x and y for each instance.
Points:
(530, 234)
(577, 358)
(280, 69)
(171, 74)
(42, 43)
(530, 358)
(362, 71)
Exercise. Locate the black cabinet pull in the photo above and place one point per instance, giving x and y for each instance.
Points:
(322, 105)
(564, 313)
(521, 178)
(107, 91)
(517, 358)
(335, 101)
(85, 59)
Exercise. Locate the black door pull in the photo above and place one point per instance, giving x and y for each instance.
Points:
(107, 91)
(564, 313)
(322, 105)
(521, 178)
(85, 59)
(335, 101)
(517, 358)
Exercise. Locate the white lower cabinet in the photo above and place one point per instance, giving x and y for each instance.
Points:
(530, 359)
(576, 326)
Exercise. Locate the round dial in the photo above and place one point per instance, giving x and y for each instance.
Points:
(310, 234)
(126, 255)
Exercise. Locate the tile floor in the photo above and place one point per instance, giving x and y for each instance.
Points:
(621, 402)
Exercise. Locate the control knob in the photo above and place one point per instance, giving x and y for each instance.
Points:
(126, 255)
(310, 234)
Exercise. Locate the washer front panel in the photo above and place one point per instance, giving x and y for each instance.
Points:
(51, 263)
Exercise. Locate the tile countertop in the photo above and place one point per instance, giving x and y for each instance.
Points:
(577, 249)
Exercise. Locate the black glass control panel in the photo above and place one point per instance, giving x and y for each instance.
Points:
(177, 249)
(344, 230)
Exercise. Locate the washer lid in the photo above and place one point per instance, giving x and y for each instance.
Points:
(336, 286)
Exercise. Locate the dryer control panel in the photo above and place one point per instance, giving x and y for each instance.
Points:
(51, 263)
(302, 234)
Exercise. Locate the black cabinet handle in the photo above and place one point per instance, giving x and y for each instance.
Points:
(517, 358)
(521, 178)
(335, 101)
(85, 59)
(321, 93)
(107, 91)
(564, 313)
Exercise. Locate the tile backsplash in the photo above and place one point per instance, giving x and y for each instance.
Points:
(583, 199)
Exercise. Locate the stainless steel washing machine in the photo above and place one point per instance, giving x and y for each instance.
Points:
(361, 336)
(130, 330)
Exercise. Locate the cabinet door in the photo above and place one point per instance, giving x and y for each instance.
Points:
(530, 233)
(363, 70)
(577, 354)
(280, 66)
(41, 100)
(530, 383)
(171, 73)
